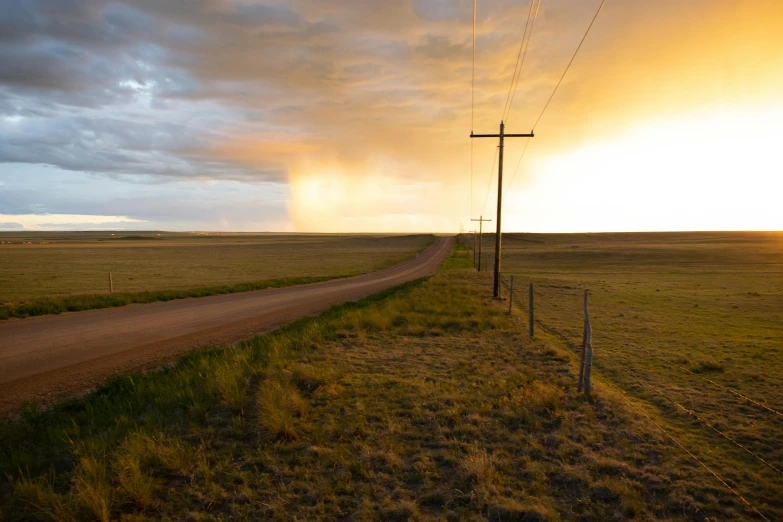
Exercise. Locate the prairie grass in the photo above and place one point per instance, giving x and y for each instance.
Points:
(425, 402)
(68, 272)
(671, 312)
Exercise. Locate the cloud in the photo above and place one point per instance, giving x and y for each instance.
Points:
(11, 226)
(31, 190)
(151, 92)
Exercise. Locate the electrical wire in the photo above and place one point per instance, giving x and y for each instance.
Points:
(517, 63)
(514, 175)
(516, 83)
(569, 64)
(472, 106)
(551, 96)
(489, 183)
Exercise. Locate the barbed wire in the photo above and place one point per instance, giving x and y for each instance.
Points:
(678, 443)
(730, 390)
(713, 428)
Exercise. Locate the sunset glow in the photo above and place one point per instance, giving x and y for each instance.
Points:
(300, 116)
(706, 171)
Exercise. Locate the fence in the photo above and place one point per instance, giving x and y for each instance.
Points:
(550, 305)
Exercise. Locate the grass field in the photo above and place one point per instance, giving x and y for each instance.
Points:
(670, 312)
(427, 402)
(55, 272)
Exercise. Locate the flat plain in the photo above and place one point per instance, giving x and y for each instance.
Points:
(430, 402)
(426, 402)
(55, 265)
(682, 323)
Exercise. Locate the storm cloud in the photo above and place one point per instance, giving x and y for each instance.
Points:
(327, 99)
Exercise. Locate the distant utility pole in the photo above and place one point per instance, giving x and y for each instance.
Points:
(481, 221)
(474, 248)
(502, 135)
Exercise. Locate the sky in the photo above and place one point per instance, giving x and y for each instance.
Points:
(355, 116)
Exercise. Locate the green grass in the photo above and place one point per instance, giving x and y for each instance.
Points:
(708, 303)
(67, 272)
(425, 402)
(90, 302)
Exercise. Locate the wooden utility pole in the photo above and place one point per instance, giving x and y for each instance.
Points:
(502, 135)
(474, 249)
(481, 221)
(111, 284)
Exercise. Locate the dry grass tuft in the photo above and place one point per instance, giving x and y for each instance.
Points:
(39, 497)
(479, 466)
(92, 488)
(281, 407)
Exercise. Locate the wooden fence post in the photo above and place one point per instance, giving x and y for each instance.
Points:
(511, 294)
(531, 314)
(588, 351)
(111, 284)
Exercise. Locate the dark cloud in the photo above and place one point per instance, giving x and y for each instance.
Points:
(11, 226)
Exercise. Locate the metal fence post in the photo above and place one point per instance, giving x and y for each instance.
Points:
(584, 347)
(531, 314)
(588, 351)
(511, 294)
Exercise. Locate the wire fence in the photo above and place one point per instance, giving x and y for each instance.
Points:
(558, 300)
(552, 302)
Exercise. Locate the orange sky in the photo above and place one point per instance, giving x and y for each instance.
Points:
(668, 120)
(303, 115)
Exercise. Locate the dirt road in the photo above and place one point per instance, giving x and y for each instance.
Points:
(44, 358)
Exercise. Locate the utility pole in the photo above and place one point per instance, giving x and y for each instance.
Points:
(502, 135)
(474, 248)
(481, 221)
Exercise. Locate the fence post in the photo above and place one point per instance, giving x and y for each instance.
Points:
(588, 351)
(511, 294)
(531, 314)
(584, 347)
(111, 284)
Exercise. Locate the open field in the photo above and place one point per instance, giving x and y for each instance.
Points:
(54, 272)
(427, 402)
(59, 356)
(670, 312)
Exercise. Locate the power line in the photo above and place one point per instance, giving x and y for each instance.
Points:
(514, 175)
(519, 55)
(524, 54)
(489, 183)
(569, 64)
(551, 96)
(472, 105)
(473, 79)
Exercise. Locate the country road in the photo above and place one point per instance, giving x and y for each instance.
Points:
(50, 357)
